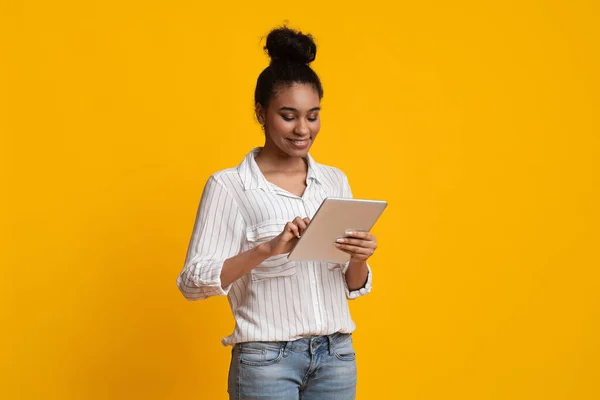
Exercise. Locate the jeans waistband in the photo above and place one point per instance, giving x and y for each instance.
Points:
(307, 344)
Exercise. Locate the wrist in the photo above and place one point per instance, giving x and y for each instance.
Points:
(264, 250)
(357, 263)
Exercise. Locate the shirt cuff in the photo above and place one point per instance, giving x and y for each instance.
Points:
(358, 292)
(213, 288)
(203, 281)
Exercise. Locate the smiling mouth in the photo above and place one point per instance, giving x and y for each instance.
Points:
(300, 144)
(300, 141)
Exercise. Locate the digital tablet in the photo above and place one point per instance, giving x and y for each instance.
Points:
(334, 217)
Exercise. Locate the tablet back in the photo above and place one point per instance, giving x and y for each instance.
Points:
(334, 217)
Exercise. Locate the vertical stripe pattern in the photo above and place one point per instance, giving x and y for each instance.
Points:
(279, 300)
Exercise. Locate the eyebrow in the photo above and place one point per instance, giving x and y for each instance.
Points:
(295, 110)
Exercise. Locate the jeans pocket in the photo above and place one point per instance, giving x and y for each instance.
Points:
(273, 267)
(260, 353)
(344, 350)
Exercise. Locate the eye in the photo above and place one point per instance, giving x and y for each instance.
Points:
(313, 118)
(287, 117)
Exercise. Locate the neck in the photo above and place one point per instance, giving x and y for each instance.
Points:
(275, 159)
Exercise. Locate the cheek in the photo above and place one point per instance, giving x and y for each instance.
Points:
(278, 125)
(316, 127)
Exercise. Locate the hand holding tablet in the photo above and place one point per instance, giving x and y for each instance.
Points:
(359, 245)
(334, 218)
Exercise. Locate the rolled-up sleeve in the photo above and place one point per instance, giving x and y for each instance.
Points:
(217, 235)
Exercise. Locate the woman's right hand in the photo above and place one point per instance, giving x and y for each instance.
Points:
(285, 241)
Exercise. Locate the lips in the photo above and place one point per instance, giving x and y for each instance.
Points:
(301, 144)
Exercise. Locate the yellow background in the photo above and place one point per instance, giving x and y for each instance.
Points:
(477, 121)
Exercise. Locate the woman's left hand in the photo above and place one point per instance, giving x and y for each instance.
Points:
(360, 245)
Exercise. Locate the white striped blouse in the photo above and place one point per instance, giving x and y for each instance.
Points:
(279, 300)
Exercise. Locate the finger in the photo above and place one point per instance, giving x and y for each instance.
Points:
(358, 242)
(299, 222)
(291, 227)
(306, 220)
(355, 249)
(361, 235)
(357, 257)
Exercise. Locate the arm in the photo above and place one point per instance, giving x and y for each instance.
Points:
(218, 234)
(360, 246)
(356, 275)
(214, 261)
(236, 267)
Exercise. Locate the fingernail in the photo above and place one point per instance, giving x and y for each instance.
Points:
(338, 245)
(340, 240)
(349, 232)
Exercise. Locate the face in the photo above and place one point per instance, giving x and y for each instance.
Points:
(291, 120)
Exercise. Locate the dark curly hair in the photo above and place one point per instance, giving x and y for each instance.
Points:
(291, 52)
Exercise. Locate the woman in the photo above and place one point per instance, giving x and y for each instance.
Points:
(292, 336)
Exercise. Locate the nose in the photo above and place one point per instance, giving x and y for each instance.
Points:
(301, 128)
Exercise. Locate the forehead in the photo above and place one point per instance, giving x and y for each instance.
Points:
(299, 96)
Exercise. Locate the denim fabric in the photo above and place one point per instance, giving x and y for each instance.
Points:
(321, 367)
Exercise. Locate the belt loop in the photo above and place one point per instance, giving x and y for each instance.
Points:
(330, 340)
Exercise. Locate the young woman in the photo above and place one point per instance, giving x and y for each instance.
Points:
(292, 336)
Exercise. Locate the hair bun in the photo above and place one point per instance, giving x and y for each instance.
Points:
(288, 45)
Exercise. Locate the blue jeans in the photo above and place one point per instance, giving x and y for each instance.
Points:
(321, 367)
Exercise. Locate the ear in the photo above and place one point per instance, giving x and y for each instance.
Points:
(260, 114)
